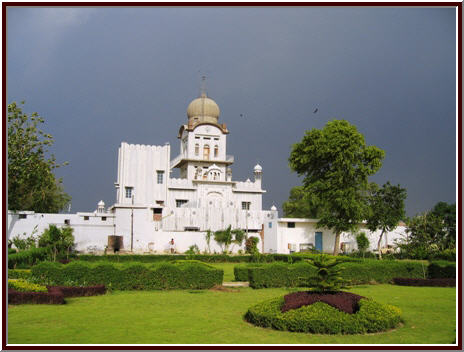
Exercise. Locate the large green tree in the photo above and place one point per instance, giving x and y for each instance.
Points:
(31, 182)
(386, 209)
(336, 162)
(301, 204)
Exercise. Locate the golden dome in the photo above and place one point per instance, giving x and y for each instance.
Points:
(203, 109)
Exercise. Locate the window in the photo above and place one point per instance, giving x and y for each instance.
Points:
(103, 218)
(216, 139)
(197, 149)
(22, 216)
(196, 137)
(216, 151)
(291, 225)
(246, 205)
(157, 210)
(207, 138)
(160, 202)
(159, 177)
(270, 225)
(129, 192)
(86, 218)
(67, 221)
(206, 152)
(181, 202)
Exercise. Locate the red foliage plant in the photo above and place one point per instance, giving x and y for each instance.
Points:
(55, 294)
(343, 301)
(443, 282)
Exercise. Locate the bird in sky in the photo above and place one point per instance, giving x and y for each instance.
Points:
(315, 110)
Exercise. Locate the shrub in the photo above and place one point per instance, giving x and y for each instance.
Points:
(27, 258)
(355, 273)
(441, 269)
(11, 250)
(320, 318)
(69, 291)
(132, 276)
(444, 282)
(241, 271)
(19, 273)
(327, 277)
(24, 286)
(193, 250)
(51, 297)
(251, 245)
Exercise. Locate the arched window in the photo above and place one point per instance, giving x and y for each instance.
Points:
(206, 152)
(197, 149)
(216, 151)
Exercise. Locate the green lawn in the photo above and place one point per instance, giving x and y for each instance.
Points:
(215, 317)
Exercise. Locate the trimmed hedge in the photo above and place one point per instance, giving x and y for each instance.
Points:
(442, 269)
(54, 295)
(444, 282)
(132, 276)
(51, 297)
(24, 286)
(241, 271)
(320, 318)
(27, 258)
(368, 271)
(19, 273)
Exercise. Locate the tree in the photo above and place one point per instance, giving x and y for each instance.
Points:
(386, 209)
(60, 241)
(228, 236)
(447, 212)
(328, 275)
(301, 204)
(208, 236)
(336, 163)
(31, 182)
(362, 242)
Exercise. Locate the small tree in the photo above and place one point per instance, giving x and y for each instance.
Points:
(386, 209)
(362, 242)
(327, 278)
(208, 236)
(228, 236)
(336, 164)
(59, 241)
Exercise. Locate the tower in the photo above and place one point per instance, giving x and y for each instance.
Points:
(203, 143)
(258, 172)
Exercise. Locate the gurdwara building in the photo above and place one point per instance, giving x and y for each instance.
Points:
(152, 208)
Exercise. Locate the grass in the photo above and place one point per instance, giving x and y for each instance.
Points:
(216, 317)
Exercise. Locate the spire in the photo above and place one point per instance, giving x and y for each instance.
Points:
(203, 86)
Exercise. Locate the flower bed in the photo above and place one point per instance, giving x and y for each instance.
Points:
(321, 318)
(443, 282)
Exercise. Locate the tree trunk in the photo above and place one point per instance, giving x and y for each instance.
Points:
(337, 244)
(379, 244)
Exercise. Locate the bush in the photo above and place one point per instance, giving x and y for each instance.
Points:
(27, 258)
(241, 271)
(251, 245)
(320, 318)
(445, 282)
(11, 250)
(132, 276)
(19, 274)
(52, 297)
(441, 269)
(24, 286)
(69, 291)
(368, 271)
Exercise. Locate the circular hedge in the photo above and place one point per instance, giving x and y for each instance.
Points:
(321, 318)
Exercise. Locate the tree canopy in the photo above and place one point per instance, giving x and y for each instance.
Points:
(386, 209)
(301, 204)
(336, 162)
(31, 182)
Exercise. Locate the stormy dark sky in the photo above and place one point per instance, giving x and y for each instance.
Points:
(100, 76)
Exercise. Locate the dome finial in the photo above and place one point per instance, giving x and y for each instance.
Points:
(203, 86)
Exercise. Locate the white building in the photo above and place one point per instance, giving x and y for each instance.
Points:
(152, 208)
